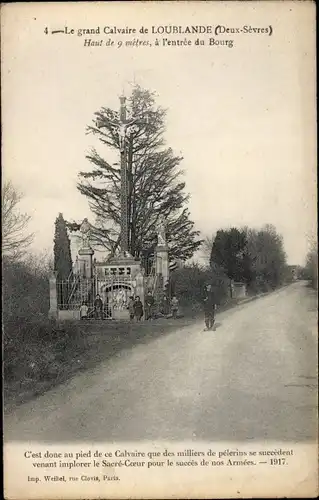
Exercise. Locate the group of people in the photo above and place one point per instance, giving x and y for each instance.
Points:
(136, 309)
(98, 309)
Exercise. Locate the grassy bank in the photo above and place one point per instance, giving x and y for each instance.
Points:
(41, 354)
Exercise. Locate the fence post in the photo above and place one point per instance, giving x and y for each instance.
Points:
(53, 311)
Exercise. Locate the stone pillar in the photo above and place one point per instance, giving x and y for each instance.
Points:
(53, 311)
(161, 262)
(139, 288)
(86, 264)
(76, 266)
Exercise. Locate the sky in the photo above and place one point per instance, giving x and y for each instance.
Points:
(243, 118)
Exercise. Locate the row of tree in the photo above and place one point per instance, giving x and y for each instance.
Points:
(156, 191)
(310, 271)
(255, 257)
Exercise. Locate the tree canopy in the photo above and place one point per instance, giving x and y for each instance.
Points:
(267, 256)
(253, 256)
(229, 251)
(311, 267)
(156, 189)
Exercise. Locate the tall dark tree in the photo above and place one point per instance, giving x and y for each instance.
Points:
(229, 251)
(62, 249)
(311, 268)
(156, 188)
(267, 257)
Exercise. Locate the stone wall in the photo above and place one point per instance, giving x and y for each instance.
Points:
(239, 290)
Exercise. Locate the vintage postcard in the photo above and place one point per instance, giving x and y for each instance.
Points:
(159, 250)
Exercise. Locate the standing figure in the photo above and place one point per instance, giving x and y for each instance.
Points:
(165, 305)
(161, 233)
(85, 230)
(138, 309)
(125, 129)
(174, 306)
(130, 307)
(122, 135)
(209, 307)
(84, 311)
(149, 304)
(98, 307)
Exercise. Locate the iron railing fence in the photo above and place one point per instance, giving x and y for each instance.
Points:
(114, 291)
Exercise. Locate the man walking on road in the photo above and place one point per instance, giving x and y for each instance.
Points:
(209, 307)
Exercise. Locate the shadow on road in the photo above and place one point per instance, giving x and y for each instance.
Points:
(216, 326)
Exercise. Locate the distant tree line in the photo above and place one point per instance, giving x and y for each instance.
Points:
(254, 257)
(310, 271)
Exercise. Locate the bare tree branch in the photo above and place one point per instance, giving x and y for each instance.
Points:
(15, 241)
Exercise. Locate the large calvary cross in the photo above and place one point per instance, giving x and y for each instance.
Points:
(124, 129)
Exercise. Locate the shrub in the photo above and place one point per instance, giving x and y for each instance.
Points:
(34, 349)
(188, 284)
(25, 293)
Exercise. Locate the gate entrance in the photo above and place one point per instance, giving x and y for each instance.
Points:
(115, 292)
(115, 297)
